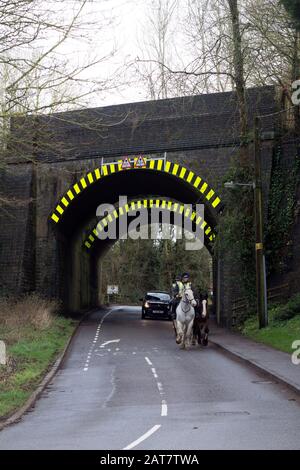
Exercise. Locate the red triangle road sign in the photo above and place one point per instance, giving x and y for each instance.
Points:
(126, 163)
(140, 162)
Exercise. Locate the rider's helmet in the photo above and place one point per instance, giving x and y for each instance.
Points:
(178, 278)
(185, 277)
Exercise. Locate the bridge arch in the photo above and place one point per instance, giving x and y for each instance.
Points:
(159, 180)
(87, 187)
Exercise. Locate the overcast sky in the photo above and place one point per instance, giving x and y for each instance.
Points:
(127, 19)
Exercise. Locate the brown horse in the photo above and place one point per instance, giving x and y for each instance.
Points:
(200, 326)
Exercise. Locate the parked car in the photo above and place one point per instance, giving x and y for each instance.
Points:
(156, 304)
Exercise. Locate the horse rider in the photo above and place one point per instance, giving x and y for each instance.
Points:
(185, 279)
(177, 291)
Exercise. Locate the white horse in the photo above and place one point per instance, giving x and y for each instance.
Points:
(185, 314)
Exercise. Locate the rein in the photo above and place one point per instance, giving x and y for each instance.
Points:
(187, 301)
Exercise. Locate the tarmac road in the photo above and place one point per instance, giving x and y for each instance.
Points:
(125, 384)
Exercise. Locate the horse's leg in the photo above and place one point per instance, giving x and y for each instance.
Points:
(179, 332)
(182, 343)
(205, 337)
(195, 326)
(200, 332)
(188, 334)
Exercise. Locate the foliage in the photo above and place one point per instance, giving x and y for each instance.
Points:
(282, 198)
(288, 311)
(281, 331)
(236, 232)
(141, 265)
(293, 8)
(34, 336)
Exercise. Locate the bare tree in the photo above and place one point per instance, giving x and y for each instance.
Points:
(156, 48)
(40, 72)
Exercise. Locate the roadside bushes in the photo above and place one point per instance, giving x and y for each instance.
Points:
(289, 310)
(30, 311)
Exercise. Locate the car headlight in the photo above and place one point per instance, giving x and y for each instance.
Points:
(147, 305)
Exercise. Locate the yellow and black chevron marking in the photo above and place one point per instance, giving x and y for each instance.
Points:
(158, 165)
(172, 206)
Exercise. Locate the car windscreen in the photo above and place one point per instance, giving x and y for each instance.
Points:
(157, 296)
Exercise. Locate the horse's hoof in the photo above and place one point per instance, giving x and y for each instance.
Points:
(182, 346)
(194, 342)
(178, 340)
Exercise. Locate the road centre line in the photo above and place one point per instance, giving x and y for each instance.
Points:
(164, 405)
(96, 337)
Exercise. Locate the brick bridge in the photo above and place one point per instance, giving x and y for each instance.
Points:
(65, 165)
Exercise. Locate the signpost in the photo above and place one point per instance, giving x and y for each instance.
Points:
(112, 290)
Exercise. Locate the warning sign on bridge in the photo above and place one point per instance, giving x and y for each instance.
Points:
(126, 163)
(140, 162)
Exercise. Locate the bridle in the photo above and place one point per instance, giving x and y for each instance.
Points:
(186, 301)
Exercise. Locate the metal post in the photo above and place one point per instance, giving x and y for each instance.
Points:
(165, 159)
(261, 289)
(219, 290)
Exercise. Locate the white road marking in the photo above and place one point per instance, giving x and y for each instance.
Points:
(164, 405)
(164, 408)
(108, 342)
(86, 366)
(143, 437)
(148, 360)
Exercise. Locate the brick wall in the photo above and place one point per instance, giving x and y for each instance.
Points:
(198, 132)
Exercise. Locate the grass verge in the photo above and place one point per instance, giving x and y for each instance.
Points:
(283, 328)
(34, 336)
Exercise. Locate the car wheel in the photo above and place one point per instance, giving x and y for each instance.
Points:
(143, 315)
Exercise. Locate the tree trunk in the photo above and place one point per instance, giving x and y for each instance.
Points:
(296, 76)
(238, 66)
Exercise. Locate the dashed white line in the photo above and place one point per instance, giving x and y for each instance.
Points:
(164, 408)
(164, 405)
(143, 437)
(96, 337)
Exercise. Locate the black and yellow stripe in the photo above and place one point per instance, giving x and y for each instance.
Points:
(172, 206)
(207, 193)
